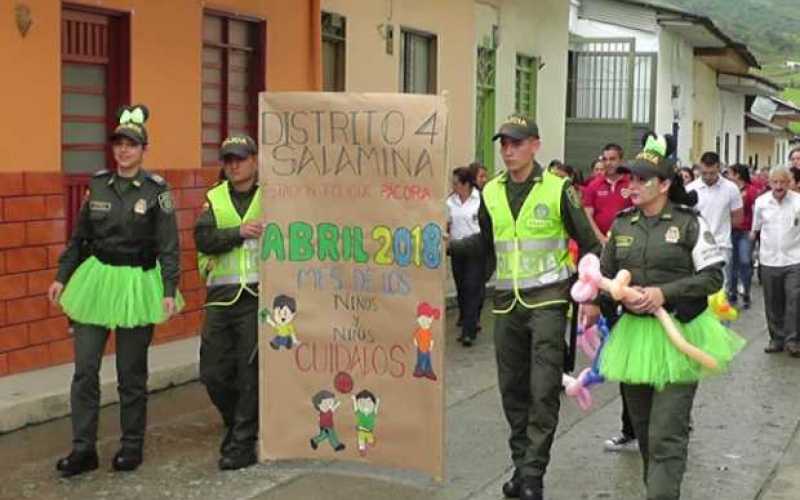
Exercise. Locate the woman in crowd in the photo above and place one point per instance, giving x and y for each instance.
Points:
(663, 244)
(465, 250)
(687, 175)
(741, 264)
(481, 174)
(119, 272)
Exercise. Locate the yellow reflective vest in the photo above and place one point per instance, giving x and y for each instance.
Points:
(532, 249)
(239, 266)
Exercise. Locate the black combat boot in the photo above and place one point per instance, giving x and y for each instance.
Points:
(77, 462)
(512, 487)
(127, 459)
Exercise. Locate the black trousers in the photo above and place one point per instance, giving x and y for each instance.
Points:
(627, 426)
(782, 302)
(132, 371)
(529, 348)
(229, 336)
(662, 420)
(468, 274)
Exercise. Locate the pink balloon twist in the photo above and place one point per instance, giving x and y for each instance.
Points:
(574, 388)
(590, 280)
(589, 341)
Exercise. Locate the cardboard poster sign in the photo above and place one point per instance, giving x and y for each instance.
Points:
(352, 277)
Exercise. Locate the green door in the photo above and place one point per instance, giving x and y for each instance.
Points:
(484, 106)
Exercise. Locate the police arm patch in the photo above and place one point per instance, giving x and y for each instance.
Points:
(573, 197)
(706, 252)
(165, 202)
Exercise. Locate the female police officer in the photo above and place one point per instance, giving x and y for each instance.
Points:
(118, 272)
(675, 263)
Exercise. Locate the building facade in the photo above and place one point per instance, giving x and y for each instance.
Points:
(198, 66)
(640, 65)
(492, 57)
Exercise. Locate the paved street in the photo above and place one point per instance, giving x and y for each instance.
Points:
(744, 445)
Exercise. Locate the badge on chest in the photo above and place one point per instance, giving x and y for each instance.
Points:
(672, 235)
(140, 207)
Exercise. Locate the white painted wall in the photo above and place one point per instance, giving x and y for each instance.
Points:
(720, 112)
(536, 28)
(782, 149)
(675, 67)
(732, 122)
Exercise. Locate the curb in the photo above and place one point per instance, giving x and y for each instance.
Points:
(42, 395)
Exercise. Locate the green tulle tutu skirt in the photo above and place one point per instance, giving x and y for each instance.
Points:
(638, 350)
(115, 296)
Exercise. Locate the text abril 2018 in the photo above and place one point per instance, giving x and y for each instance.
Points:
(401, 246)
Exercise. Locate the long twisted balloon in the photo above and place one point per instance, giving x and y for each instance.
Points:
(590, 281)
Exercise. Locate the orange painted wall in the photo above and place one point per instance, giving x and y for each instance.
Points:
(29, 96)
(165, 72)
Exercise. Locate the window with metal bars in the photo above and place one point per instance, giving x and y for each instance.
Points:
(417, 62)
(233, 73)
(94, 83)
(525, 85)
(333, 52)
(609, 80)
(95, 73)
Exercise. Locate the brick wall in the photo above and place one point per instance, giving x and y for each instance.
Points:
(33, 333)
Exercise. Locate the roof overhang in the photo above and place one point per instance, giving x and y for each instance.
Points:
(754, 124)
(695, 33)
(786, 109)
(725, 59)
(747, 84)
(701, 32)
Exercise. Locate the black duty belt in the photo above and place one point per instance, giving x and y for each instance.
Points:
(144, 260)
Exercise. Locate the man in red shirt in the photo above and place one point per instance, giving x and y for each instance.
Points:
(603, 199)
(607, 194)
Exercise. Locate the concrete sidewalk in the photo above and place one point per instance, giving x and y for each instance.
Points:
(42, 395)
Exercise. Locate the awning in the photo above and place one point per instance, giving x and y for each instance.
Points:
(747, 84)
(754, 124)
(696, 34)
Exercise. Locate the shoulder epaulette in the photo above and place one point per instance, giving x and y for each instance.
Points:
(687, 208)
(156, 178)
(102, 173)
(626, 211)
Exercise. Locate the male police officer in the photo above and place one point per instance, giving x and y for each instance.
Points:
(527, 215)
(226, 235)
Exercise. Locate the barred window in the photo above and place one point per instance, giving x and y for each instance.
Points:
(94, 83)
(232, 76)
(525, 85)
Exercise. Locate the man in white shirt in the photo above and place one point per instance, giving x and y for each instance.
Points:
(719, 202)
(776, 220)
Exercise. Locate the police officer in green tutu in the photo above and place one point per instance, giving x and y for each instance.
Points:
(119, 272)
(675, 264)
